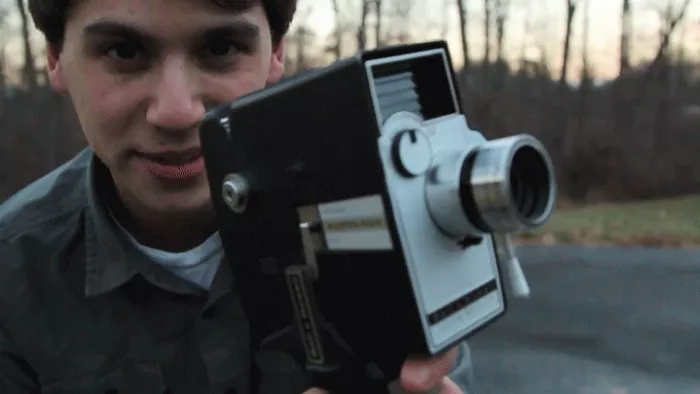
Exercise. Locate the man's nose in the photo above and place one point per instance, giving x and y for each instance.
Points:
(176, 101)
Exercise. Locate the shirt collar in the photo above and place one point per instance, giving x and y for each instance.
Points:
(107, 264)
(112, 261)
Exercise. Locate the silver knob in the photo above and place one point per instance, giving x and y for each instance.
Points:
(412, 152)
(236, 192)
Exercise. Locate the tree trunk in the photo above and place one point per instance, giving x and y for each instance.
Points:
(362, 29)
(526, 34)
(501, 18)
(584, 88)
(570, 11)
(378, 26)
(462, 9)
(488, 6)
(337, 47)
(625, 36)
(29, 70)
(560, 106)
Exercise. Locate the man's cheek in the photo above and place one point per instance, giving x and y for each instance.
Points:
(234, 85)
(117, 110)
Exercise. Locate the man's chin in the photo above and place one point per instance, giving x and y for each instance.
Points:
(181, 206)
(154, 200)
(177, 202)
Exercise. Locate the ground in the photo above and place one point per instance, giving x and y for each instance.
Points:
(668, 223)
(603, 320)
(614, 308)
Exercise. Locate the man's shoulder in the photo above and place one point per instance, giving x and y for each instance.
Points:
(37, 224)
(45, 203)
(38, 220)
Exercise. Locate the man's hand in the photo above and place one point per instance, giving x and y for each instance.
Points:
(423, 375)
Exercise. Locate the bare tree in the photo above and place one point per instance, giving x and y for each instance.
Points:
(560, 106)
(348, 33)
(680, 68)
(362, 29)
(544, 38)
(337, 47)
(488, 18)
(301, 39)
(402, 18)
(378, 24)
(671, 19)
(29, 75)
(347, 23)
(625, 36)
(584, 86)
(658, 74)
(570, 12)
(527, 30)
(4, 13)
(464, 30)
(501, 8)
(585, 61)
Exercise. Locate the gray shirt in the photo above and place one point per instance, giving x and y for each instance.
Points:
(83, 311)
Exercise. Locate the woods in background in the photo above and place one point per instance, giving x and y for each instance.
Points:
(634, 136)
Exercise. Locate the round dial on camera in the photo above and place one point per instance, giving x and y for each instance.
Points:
(412, 152)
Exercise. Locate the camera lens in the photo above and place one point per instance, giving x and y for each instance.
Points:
(529, 182)
(507, 185)
(499, 186)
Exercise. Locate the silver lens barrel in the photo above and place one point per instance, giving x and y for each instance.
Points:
(508, 185)
(500, 186)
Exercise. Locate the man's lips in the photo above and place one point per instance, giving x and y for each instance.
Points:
(173, 157)
(173, 165)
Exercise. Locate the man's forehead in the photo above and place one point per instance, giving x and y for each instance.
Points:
(91, 10)
(179, 17)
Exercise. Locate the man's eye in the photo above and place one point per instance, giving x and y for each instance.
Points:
(221, 48)
(124, 51)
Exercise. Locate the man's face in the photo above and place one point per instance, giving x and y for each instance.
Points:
(142, 73)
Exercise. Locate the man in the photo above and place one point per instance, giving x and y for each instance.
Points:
(110, 274)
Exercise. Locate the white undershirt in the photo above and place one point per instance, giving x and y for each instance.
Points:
(197, 265)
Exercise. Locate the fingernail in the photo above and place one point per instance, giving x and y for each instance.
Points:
(423, 376)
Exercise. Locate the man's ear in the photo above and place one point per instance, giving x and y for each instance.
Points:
(277, 63)
(53, 64)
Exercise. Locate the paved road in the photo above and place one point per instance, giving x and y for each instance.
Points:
(608, 321)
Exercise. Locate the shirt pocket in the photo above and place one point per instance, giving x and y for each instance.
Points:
(281, 373)
(129, 379)
(228, 371)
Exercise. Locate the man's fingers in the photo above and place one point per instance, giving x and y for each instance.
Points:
(421, 375)
(449, 387)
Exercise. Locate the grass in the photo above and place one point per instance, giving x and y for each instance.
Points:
(667, 223)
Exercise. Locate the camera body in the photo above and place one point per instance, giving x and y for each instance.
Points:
(361, 215)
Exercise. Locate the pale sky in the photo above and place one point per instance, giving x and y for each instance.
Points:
(548, 17)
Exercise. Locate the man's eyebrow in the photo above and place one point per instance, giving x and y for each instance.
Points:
(236, 29)
(112, 29)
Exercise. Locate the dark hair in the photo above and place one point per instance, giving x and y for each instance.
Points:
(50, 15)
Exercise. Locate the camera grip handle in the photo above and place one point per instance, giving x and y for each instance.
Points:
(316, 345)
